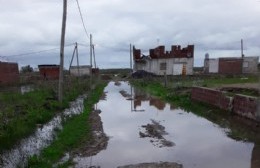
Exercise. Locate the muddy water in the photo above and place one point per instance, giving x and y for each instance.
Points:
(42, 137)
(193, 141)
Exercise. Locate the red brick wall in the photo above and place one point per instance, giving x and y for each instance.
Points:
(9, 73)
(242, 105)
(230, 66)
(49, 72)
(136, 53)
(245, 106)
(212, 97)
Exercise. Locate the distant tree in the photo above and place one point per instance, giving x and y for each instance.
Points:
(26, 69)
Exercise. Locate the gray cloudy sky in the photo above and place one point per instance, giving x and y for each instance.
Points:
(213, 26)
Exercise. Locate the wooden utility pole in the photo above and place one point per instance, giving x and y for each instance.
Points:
(242, 49)
(74, 51)
(131, 69)
(90, 49)
(77, 54)
(62, 43)
(94, 57)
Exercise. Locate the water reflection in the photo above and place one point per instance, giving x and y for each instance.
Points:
(198, 141)
(43, 136)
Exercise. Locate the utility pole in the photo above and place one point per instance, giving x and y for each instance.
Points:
(242, 49)
(131, 70)
(94, 57)
(77, 54)
(90, 49)
(63, 29)
(74, 51)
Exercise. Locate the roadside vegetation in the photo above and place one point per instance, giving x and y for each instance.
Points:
(20, 114)
(75, 131)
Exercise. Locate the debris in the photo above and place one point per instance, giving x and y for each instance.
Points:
(156, 131)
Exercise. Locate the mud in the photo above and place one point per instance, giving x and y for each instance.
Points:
(124, 94)
(117, 83)
(156, 131)
(103, 96)
(99, 139)
(154, 165)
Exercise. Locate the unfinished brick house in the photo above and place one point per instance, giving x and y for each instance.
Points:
(9, 73)
(178, 61)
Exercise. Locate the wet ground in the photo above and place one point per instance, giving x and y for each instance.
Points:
(43, 136)
(146, 132)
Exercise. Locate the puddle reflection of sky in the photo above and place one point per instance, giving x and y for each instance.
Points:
(199, 142)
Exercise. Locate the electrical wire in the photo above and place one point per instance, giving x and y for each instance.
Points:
(35, 52)
(82, 20)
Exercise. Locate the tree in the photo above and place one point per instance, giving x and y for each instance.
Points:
(26, 69)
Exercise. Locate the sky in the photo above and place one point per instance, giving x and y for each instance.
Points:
(214, 27)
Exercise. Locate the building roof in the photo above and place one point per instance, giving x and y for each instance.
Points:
(48, 66)
(160, 53)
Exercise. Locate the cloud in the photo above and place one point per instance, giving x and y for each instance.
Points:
(213, 26)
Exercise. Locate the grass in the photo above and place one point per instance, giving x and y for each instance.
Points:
(208, 81)
(20, 114)
(75, 131)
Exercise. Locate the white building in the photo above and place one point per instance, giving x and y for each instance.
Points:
(175, 62)
(80, 70)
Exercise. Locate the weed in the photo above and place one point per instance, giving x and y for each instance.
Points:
(75, 130)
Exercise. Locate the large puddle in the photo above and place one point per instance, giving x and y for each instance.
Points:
(143, 129)
(43, 136)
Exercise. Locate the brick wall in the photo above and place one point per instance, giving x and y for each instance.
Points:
(242, 105)
(9, 73)
(230, 66)
(49, 71)
(245, 106)
(212, 97)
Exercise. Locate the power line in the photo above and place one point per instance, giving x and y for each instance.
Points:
(35, 52)
(82, 19)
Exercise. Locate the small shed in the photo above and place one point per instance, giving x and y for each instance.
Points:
(9, 73)
(80, 70)
(49, 71)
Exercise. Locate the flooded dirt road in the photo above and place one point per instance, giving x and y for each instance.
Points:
(143, 130)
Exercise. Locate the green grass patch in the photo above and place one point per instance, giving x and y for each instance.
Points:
(75, 131)
(20, 113)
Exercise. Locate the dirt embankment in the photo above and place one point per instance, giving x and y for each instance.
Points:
(99, 139)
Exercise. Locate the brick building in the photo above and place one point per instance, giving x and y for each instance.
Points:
(178, 61)
(231, 65)
(49, 71)
(9, 73)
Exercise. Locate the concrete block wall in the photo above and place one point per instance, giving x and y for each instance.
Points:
(212, 97)
(245, 106)
(242, 105)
